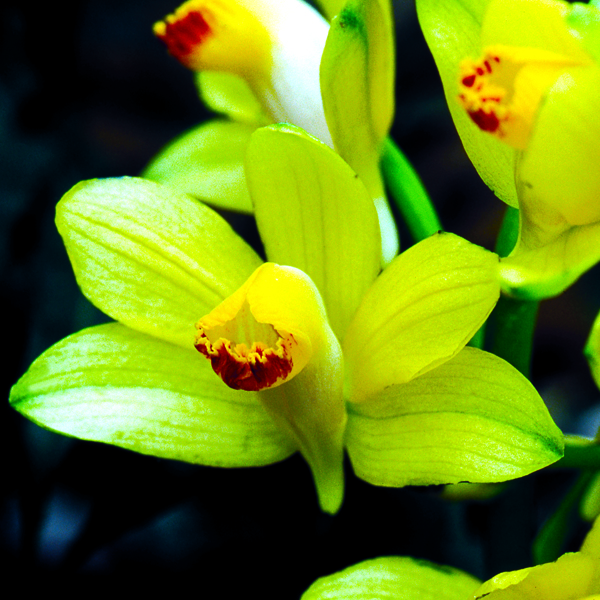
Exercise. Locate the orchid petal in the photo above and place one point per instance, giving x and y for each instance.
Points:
(114, 385)
(568, 577)
(150, 258)
(310, 409)
(207, 162)
(357, 85)
(272, 335)
(547, 270)
(529, 24)
(313, 213)
(474, 418)
(565, 176)
(230, 95)
(396, 578)
(419, 313)
(452, 30)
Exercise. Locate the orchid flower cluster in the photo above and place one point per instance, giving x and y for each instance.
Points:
(333, 341)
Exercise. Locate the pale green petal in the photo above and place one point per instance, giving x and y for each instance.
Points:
(357, 85)
(208, 163)
(357, 79)
(114, 385)
(560, 166)
(396, 578)
(230, 95)
(548, 270)
(452, 30)
(419, 312)
(314, 214)
(474, 418)
(584, 20)
(150, 258)
(531, 24)
(567, 578)
(310, 409)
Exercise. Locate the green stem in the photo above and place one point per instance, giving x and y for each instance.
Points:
(408, 193)
(512, 323)
(577, 456)
(547, 546)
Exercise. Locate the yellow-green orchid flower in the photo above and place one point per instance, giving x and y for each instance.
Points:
(574, 576)
(319, 354)
(272, 61)
(521, 80)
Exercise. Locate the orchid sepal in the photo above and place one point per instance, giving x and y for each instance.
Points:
(357, 85)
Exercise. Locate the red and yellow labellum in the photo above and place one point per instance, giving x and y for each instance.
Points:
(502, 91)
(217, 35)
(266, 332)
(245, 354)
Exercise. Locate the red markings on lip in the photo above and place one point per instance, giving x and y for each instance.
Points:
(486, 121)
(261, 369)
(469, 80)
(184, 35)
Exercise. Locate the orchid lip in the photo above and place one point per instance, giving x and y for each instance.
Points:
(250, 369)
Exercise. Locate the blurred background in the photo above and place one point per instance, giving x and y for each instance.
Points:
(87, 91)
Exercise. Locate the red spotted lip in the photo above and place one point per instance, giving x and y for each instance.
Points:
(183, 36)
(261, 369)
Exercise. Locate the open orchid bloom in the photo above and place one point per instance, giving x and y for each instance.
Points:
(521, 80)
(574, 576)
(219, 359)
(272, 61)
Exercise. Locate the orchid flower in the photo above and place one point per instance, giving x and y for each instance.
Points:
(521, 80)
(271, 61)
(220, 359)
(574, 576)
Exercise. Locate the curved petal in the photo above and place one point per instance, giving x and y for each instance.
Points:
(114, 385)
(150, 258)
(357, 85)
(564, 175)
(310, 409)
(452, 30)
(230, 95)
(568, 577)
(357, 80)
(547, 270)
(314, 214)
(419, 313)
(396, 578)
(539, 24)
(272, 335)
(207, 162)
(474, 418)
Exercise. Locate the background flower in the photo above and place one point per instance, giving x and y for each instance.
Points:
(529, 75)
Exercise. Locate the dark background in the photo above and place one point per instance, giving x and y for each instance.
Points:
(87, 91)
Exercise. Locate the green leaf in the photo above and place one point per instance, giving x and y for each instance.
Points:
(114, 385)
(313, 213)
(394, 578)
(419, 312)
(474, 418)
(150, 258)
(207, 162)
